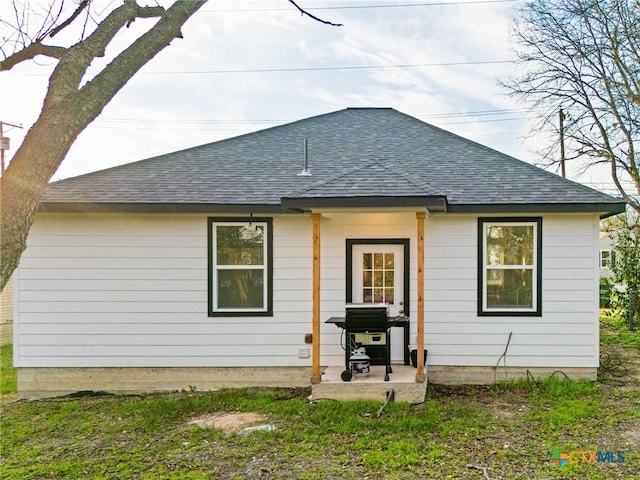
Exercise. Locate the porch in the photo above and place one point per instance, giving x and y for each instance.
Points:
(407, 383)
(402, 382)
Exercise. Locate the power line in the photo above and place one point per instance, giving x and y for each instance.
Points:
(305, 69)
(512, 119)
(321, 69)
(483, 114)
(476, 113)
(361, 7)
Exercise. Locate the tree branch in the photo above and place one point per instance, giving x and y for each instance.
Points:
(115, 75)
(582, 57)
(48, 22)
(31, 52)
(68, 74)
(303, 12)
(67, 110)
(70, 20)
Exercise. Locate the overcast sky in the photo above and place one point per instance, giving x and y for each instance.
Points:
(247, 65)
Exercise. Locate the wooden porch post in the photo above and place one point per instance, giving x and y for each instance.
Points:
(315, 357)
(420, 375)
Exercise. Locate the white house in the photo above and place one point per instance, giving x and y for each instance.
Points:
(219, 265)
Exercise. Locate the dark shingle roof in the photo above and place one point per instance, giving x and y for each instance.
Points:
(357, 156)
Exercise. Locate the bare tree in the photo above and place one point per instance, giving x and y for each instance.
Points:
(70, 106)
(581, 59)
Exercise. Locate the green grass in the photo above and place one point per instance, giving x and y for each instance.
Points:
(614, 331)
(510, 429)
(8, 381)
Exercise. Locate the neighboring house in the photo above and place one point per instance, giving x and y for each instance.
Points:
(219, 265)
(607, 255)
(6, 313)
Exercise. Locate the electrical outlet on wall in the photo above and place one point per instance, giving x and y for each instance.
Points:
(304, 353)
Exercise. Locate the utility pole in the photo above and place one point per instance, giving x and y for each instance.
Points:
(562, 167)
(4, 142)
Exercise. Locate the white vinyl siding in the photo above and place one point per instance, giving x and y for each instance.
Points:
(131, 290)
(566, 333)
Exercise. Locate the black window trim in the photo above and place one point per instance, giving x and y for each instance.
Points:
(211, 221)
(538, 268)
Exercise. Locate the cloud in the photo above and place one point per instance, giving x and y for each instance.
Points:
(183, 98)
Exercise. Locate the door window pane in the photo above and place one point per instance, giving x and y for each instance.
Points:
(367, 295)
(378, 295)
(388, 261)
(388, 296)
(378, 272)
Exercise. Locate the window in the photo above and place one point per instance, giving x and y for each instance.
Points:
(607, 259)
(378, 271)
(509, 266)
(240, 266)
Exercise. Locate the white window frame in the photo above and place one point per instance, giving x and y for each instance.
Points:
(483, 267)
(266, 267)
(609, 260)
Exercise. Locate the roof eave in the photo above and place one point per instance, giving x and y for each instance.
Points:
(432, 203)
(605, 209)
(116, 207)
(304, 204)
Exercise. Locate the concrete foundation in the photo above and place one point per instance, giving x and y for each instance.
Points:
(51, 382)
(460, 375)
(373, 387)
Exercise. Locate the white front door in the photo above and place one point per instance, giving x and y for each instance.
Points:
(378, 277)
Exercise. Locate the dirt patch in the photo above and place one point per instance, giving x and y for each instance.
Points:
(508, 412)
(230, 422)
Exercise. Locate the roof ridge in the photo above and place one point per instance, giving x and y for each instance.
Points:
(331, 178)
(409, 178)
(386, 165)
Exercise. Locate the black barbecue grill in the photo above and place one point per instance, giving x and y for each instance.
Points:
(367, 325)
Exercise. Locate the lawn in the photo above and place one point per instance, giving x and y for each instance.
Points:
(8, 380)
(500, 431)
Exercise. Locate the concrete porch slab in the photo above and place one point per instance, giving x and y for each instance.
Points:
(373, 387)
